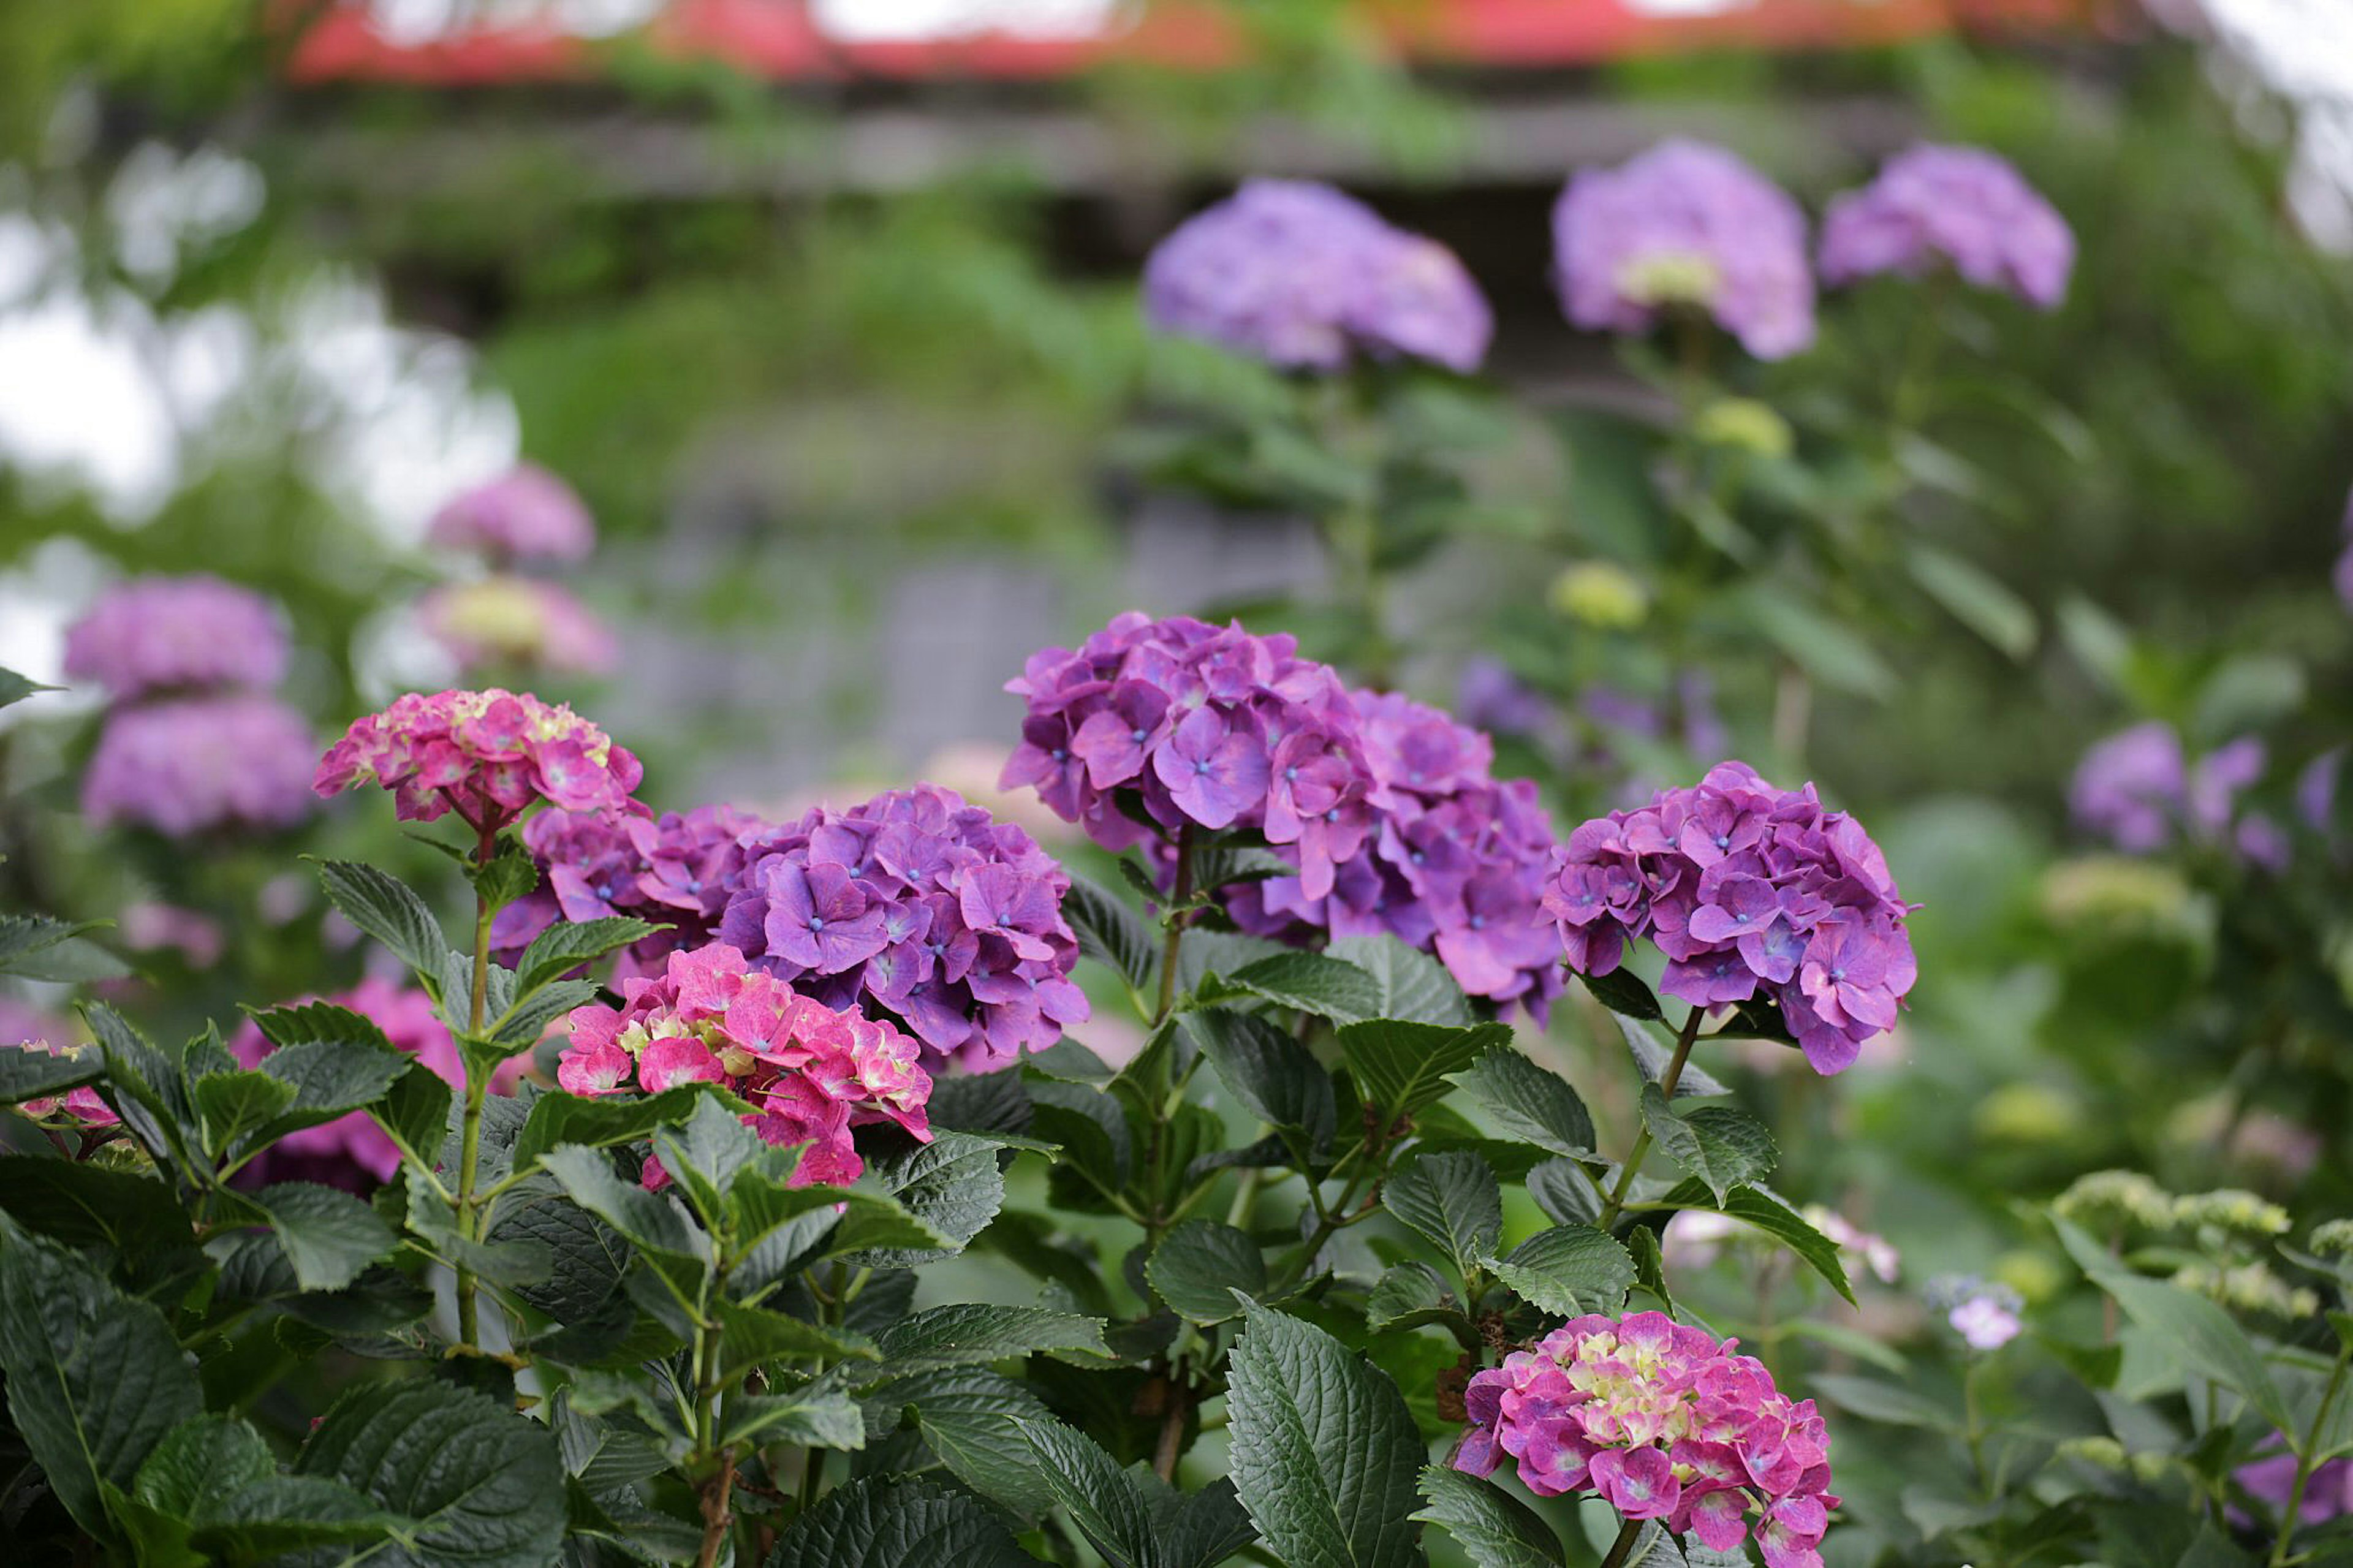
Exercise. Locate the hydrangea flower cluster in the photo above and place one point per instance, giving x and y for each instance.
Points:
(1685, 224)
(157, 634)
(1174, 724)
(506, 621)
(1958, 206)
(525, 514)
(678, 870)
(917, 904)
(1453, 862)
(487, 755)
(1302, 276)
(1984, 1312)
(2140, 790)
(812, 1072)
(353, 1152)
(2327, 1491)
(1661, 1421)
(1747, 889)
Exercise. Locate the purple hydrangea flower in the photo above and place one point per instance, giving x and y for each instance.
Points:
(506, 622)
(1961, 207)
(525, 514)
(1749, 892)
(2141, 791)
(202, 764)
(1453, 861)
(678, 869)
(1489, 697)
(919, 907)
(1984, 1312)
(2344, 573)
(1685, 224)
(2327, 1491)
(177, 633)
(1301, 276)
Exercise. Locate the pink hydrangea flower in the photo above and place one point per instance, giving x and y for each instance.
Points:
(525, 514)
(812, 1072)
(1661, 1421)
(24, 1029)
(487, 755)
(507, 622)
(201, 764)
(196, 633)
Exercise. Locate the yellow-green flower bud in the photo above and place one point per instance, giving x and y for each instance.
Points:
(1602, 595)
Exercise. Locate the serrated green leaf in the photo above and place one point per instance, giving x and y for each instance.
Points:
(1526, 1103)
(1322, 1448)
(1311, 983)
(1199, 1264)
(1410, 1295)
(1407, 984)
(1453, 1201)
(329, 1077)
(754, 1336)
(815, 1418)
(1760, 1208)
(952, 1186)
(1111, 933)
(235, 1106)
(386, 909)
(1568, 1269)
(36, 1075)
(1494, 1528)
(1104, 1501)
(328, 1237)
(1275, 1077)
(891, 1522)
(970, 1334)
(1400, 1066)
(304, 1021)
(1624, 993)
(649, 1219)
(1723, 1146)
(1650, 1059)
(599, 1121)
(973, 1419)
(480, 1486)
(567, 944)
(39, 947)
(1565, 1190)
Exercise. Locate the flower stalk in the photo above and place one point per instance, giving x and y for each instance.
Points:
(1668, 1081)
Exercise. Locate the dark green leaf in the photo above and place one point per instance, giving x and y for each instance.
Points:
(36, 1075)
(37, 947)
(1275, 1077)
(1722, 1145)
(305, 1021)
(16, 688)
(1494, 1528)
(415, 1112)
(480, 1486)
(1569, 1269)
(1565, 1190)
(93, 1206)
(329, 1236)
(1453, 1200)
(754, 1336)
(1111, 933)
(237, 1105)
(567, 944)
(1206, 1528)
(649, 1219)
(1399, 1067)
(1624, 993)
(1199, 1264)
(1407, 984)
(1759, 1208)
(1410, 1295)
(591, 1122)
(1876, 1399)
(387, 910)
(973, 1419)
(970, 1334)
(1526, 1103)
(329, 1077)
(1311, 983)
(812, 1417)
(950, 1185)
(1104, 1501)
(888, 1523)
(1652, 1056)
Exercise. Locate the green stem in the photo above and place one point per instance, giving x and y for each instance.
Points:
(1616, 1205)
(470, 1138)
(1628, 1533)
(1173, 943)
(2304, 1465)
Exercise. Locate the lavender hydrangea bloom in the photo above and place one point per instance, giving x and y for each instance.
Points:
(678, 869)
(1685, 224)
(1489, 697)
(525, 514)
(1749, 892)
(918, 906)
(2344, 574)
(1453, 862)
(177, 633)
(202, 764)
(2327, 1491)
(1961, 207)
(2142, 791)
(1301, 276)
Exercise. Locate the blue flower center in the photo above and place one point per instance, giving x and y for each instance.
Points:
(1058, 754)
(1201, 770)
(1478, 923)
(817, 923)
(1292, 774)
(1139, 735)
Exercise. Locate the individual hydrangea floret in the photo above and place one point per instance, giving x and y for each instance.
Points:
(487, 755)
(1749, 892)
(1686, 225)
(919, 905)
(506, 622)
(177, 633)
(2109, 1200)
(1304, 277)
(1661, 1421)
(811, 1072)
(1878, 1254)
(1958, 206)
(525, 514)
(1446, 859)
(1986, 1313)
(677, 870)
(184, 766)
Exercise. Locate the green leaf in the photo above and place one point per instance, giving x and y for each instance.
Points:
(1819, 643)
(1568, 1269)
(39, 947)
(1311, 983)
(649, 1219)
(1722, 1145)
(1977, 598)
(302, 1021)
(1104, 1501)
(951, 1186)
(1410, 1295)
(892, 1522)
(1876, 1399)
(510, 874)
(2199, 1331)
(415, 1112)
(1275, 1077)
(95, 1377)
(480, 1485)
(237, 1105)
(1652, 1056)
(1624, 993)
(1399, 1067)
(1453, 1200)
(754, 1336)
(1494, 1528)
(94, 1205)
(973, 1419)
(1322, 1448)
(567, 944)
(16, 688)
(387, 910)
(279, 1514)
(1760, 1208)
(1111, 933)
(329, 1077)
(36, 1075)
(1199, 1264)
(1203, 1529)
(1526, 1103)
(1409, 985)
(595, 1123)
(1565, 1190)
(970, 1334)
(327, 1235)
(200, 1458)
(813, 1417)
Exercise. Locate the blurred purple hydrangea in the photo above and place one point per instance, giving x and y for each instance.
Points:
(1490, 696)
(678, 869)
(1748, 890)
(1304, 276)
(1986, 1313)
(1685, 224)
(917, 905)
(187, 634)
(2141, 791)
(525, 514)
(506, 623)
(202, 764)
(2327, 1491)
(1454, 863)
(1176, 724)
(2344, 576)
(1961, 207)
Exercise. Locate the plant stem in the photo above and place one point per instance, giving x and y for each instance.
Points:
(1616, 1205)
(1174, 942)
(2304, 1465)
(1627, 1533)
(470, 1138)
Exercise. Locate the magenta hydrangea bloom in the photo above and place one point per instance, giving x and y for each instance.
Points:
(1661, 1421)
(677, 870)
(487, 755)
(353, 1152)
(1748, 890)
(201, 764)
(1301, 276)
(505, 622)
(920, 906)
(1958, 206)
(177, 633)
(1439, 855)
(525, 514)
(811, 1071)
(1685, 224)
